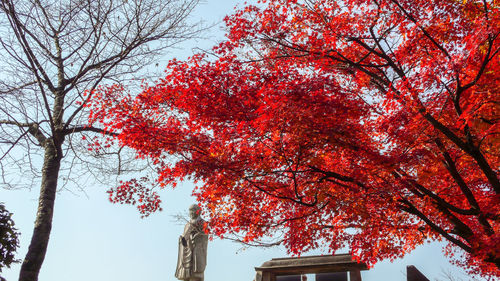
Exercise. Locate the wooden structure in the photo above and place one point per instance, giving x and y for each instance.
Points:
(342, 264)
(413, 274)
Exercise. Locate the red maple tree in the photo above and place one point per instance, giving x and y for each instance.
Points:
(371, 124)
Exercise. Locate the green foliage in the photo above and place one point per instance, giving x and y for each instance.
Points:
(9, 241)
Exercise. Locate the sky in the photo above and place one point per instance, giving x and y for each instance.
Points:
(93, 239)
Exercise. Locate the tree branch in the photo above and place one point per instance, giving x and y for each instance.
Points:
(33, 129)
(79, 129)
(411, 209)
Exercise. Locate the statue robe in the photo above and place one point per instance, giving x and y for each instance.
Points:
(192, 257)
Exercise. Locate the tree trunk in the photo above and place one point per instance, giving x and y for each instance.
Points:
(43, 224)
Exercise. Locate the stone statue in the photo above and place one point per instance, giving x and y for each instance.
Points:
(192, 258)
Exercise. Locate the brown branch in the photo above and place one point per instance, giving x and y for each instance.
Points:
(426, 33)
(13, 144)
(452, 169)
(485, 62)
(421, 191)
(33, 129)
(330, 174)
(411, 209)
(36, 67)
(279, 196)
(79, 129)
(255, 243)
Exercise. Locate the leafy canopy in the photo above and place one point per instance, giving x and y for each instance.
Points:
(371, 124)
(9, 241)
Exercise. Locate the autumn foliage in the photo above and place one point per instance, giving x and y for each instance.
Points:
(371, 124)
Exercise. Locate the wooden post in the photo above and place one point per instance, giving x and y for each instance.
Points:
(355, 275)
(412, 274)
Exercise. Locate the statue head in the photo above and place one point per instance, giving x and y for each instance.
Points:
(194, 211)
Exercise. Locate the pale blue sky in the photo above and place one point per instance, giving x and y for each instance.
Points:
(93, 239)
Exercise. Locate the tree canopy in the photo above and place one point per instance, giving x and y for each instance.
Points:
(371, 124)
(9, 241)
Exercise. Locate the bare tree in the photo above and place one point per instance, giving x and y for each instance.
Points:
(448, 275)
(54, 54)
